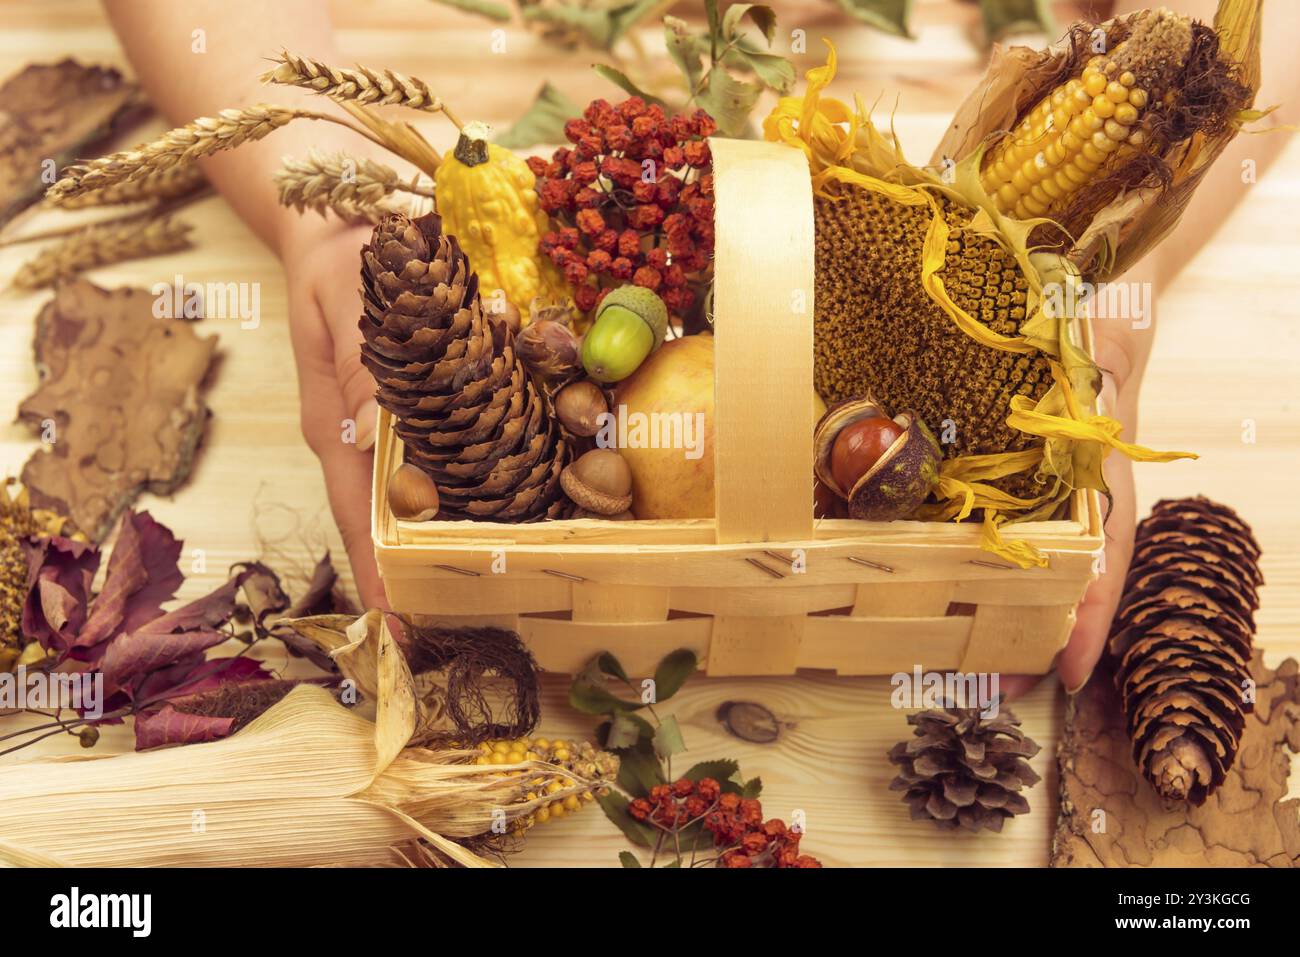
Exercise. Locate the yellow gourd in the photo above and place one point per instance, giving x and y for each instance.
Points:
(488, 202)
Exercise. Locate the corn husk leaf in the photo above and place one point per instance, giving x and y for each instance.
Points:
(307, 783)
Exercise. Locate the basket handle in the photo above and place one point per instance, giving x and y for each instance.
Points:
(763, 342)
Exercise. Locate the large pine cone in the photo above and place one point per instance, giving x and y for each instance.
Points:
(1181, 641)
(961, 769)
(466, 409)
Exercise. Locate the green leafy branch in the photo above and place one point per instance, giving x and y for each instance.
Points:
(724, 71)
(646, 747)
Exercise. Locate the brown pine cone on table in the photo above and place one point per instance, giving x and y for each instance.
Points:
(466, 409)
(1181, 644)
(961, 769)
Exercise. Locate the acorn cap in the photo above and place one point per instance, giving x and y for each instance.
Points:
(902, 477)
(645, 303)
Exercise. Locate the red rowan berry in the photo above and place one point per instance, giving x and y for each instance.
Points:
(648, 277)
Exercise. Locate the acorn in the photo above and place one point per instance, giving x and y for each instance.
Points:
(599, 482)
(630, 323)
(883, 468)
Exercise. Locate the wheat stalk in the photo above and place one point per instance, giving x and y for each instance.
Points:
(170, 183)
(100, 245)
(359, 85)
(201, 137)
(353, 187)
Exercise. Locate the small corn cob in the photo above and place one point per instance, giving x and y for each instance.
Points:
(556, 797)
(1075, 133)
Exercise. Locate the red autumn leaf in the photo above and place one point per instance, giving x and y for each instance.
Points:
(188, 630)
(142, 576)
(170, 726)
(211, 674)
(59, 577)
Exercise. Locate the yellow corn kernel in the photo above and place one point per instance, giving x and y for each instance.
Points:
(1116, 92)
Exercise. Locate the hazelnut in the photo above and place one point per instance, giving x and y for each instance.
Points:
(412, 495)
(599, 482)
(549, 350)
(580, 406)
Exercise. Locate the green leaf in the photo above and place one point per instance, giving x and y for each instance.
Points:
(678, 665)
(728, 100)
(620, 80)
(600, 27)
(484, 8)
(753, 788)
(721, 770)
(762, 16)
(626, 729)
(1005, 17)
(588, 694)
(628, 859)
(891, 16)
(776, 72)
(686, 49)
(542, 122)
(606, 662)
(615, 807)
(668, 738)
(639, 769)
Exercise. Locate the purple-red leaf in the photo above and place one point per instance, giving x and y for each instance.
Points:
(142, 576)
(165, 640)
(60, 572)
(196, 679)
(170, 726)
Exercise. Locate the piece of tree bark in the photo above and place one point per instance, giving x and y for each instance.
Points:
(50, 114)
(119, 403)
(1111, 817)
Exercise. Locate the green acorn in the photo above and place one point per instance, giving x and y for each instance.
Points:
(630, 324)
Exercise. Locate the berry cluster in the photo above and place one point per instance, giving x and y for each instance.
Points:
(631, 201)
(739, 832)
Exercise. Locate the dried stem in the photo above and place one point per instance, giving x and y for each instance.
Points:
(355, 188)
(100, 245)
(359, 85)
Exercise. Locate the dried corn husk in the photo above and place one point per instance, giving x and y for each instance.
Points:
(1127, 228)
(307, 783)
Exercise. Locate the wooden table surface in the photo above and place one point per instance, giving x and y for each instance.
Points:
(1228, 351)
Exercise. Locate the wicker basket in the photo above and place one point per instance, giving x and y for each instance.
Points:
(762, 589)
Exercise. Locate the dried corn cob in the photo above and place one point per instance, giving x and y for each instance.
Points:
(1063, 143)
(548, 799)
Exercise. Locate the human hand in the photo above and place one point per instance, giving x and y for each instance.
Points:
(321, 262)
(1121, 352)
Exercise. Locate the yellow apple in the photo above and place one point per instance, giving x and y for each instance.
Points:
(659, 403)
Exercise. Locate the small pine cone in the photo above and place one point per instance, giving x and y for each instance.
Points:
(962, 769)
(1181, 644)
